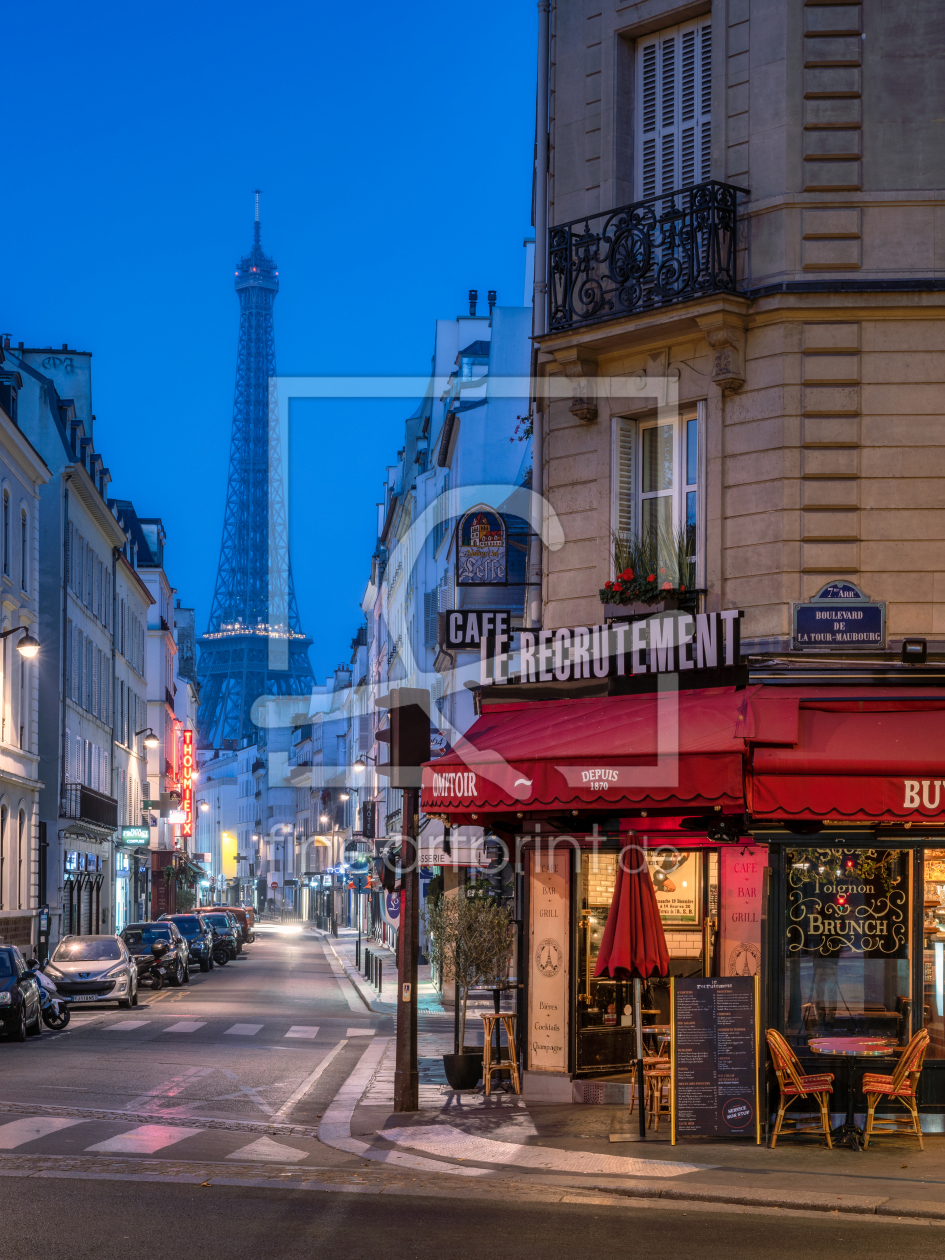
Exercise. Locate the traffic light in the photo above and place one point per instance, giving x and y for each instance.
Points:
(408, 735)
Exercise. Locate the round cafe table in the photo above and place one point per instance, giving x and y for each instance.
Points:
(852, 1048)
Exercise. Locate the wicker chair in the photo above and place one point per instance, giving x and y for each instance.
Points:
(901, 1087)
(793, 1086)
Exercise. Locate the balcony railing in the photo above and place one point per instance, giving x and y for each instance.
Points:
(87, 805)
(658, 251)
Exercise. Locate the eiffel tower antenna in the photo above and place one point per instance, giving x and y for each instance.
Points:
(254, 645)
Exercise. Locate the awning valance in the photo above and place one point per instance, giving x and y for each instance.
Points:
(662, 750)
(854, 756)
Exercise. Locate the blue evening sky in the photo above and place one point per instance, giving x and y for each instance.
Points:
(393, 145)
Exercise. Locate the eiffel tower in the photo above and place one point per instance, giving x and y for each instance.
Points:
(254, 645)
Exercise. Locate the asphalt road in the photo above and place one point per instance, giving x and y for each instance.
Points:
(108, 1219)
(271, 1036)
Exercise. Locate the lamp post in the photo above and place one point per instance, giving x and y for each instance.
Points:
(27, 646)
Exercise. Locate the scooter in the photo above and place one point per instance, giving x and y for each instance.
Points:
(151, 967)
(53, 1006)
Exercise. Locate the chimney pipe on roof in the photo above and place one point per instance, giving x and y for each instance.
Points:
(473, 299)
(492, 301)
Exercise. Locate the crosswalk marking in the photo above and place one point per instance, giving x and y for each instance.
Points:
(18, 1132)
(266, 1148)
(360, 1032)
(186, 1025)
(127, 1024)
(145, 1139)
(242, 1030)
(300, 1030)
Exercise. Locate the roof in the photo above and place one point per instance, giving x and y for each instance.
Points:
(475, 350)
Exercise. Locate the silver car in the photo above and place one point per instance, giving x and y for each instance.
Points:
(94, 969)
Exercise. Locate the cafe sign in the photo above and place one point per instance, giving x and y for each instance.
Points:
(667, 643)
(846, 903)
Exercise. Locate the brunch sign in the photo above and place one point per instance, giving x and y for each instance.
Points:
(846, 902)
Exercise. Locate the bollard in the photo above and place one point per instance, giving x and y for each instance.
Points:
(380, 976)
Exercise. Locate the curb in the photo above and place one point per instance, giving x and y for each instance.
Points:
(367, 995)
(798, 1200)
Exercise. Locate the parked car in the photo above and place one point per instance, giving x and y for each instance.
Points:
(174, 964)
(227, 932)
(94, 969)
(242, 919)
(20, 1009)
(198, 935)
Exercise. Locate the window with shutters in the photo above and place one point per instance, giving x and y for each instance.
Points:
(674, 103)
(429, 617)
(658, 478)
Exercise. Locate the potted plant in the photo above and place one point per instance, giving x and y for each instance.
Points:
(654, 572)
(470, 935)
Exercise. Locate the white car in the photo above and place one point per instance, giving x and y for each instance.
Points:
(94, 969)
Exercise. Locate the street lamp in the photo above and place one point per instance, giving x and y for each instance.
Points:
(27, 646)
(361, 762)
(204, 806)
(150, 739)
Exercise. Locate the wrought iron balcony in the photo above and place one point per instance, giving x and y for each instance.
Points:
(87, 805)
(665, 249)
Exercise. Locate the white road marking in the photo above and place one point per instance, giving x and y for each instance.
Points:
(146, 1139)
(168, 1089)
(127, 1024)
(301, 1030)
(265, 1148)
(243, 1030)
(335, 1128)
(17, 1132)
(309, 1081)
(453, 1143)
(187, 1025)
(351, 995)
(360, 1032)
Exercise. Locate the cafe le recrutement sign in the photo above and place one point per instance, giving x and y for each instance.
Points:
(839, 616)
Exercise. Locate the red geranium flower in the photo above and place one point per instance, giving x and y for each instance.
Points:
(627, 575)
(667, 586)
(608, 586)
(651, 578)
(682, 588)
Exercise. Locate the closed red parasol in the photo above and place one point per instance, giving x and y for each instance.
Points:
(634, 944)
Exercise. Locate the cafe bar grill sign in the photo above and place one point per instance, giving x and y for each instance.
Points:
(668, 643)
(482, 548)
(839, 616)
(846, 903)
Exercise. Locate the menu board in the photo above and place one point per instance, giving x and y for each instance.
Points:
(715, 1057)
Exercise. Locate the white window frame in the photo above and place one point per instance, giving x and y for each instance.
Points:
(628, 431)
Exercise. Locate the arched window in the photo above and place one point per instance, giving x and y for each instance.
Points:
(24, 551)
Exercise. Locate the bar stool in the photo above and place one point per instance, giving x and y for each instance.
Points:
(489, 1022)
(649, 1061)
(658, 1104)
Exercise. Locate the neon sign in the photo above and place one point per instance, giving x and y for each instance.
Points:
(187, 785)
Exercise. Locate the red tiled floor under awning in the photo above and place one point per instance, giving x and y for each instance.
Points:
(852, 755)
(678, 749)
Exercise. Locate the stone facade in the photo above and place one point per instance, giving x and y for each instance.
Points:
(819, 383)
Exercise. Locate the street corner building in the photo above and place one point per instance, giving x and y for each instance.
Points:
(738, 667)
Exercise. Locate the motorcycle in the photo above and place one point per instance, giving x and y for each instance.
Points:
(53, 1006)
(150, 966)
(221, 949)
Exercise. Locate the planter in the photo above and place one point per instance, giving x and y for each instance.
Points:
(463, 1071)
(620, 612)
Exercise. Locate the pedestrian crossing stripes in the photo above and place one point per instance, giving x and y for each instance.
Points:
(186, 1025)
(142, 1139)
(300, 1030)
(297, 1032)
(243, 1030)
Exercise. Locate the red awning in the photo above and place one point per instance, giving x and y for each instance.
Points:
(679, 749)
(852, 754)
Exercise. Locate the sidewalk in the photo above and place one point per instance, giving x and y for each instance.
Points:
(344, 947)
(597, 1147)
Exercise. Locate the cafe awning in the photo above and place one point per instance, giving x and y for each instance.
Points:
(849, 754)
(662, 750)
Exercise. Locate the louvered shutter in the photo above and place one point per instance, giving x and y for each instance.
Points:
(674, 97)
(624, 513)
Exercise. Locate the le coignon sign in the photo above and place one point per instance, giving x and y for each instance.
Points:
(667, 643)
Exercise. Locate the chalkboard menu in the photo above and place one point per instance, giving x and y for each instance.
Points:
(715, 1057)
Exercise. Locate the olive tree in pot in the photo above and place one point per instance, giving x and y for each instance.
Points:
(472, 937)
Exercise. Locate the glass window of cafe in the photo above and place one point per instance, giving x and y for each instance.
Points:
(686, 883)
(847, 926)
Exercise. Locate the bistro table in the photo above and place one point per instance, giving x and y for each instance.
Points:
(852, 1048)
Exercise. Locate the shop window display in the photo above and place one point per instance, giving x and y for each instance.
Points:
(847, 929)
(933, 969)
